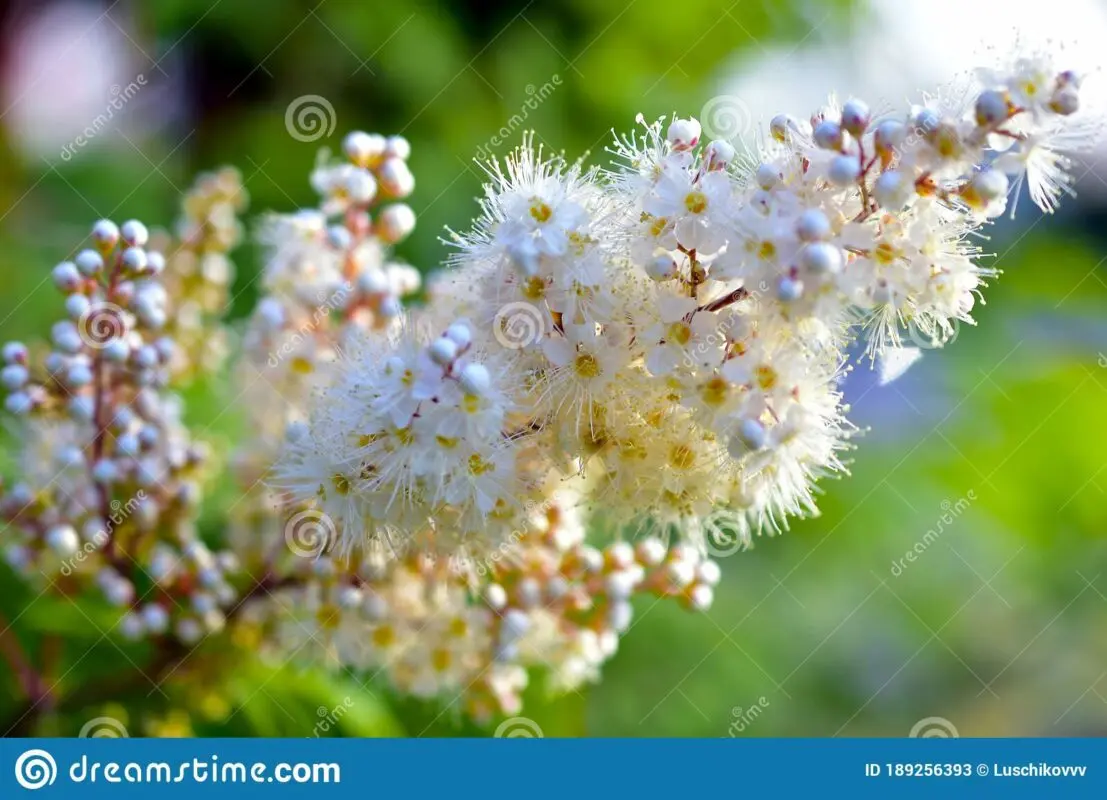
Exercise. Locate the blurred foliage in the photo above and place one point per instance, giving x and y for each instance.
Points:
(999, 626)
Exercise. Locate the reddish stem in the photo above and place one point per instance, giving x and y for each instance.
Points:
(726, 300)
(99, 406)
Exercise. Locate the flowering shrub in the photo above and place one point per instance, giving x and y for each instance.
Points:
(652, 350)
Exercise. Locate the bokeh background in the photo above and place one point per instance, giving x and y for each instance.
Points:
(987, 460)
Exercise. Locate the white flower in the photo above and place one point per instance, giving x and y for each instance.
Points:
(1046, 172)
(681, 336)
(697, 205)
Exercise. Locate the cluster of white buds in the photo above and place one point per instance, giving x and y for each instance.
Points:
(468, 628)
(194, 589)
(109, 474)
(198, 271)
(376, 170)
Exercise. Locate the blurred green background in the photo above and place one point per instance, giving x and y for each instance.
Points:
(999, 625)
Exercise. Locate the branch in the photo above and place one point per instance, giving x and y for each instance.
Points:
(726, 300)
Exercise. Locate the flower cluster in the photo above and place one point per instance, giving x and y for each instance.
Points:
(654, 349)
(415, 441)
(668, 333)
(414, 489)
(198, 272)
(329, 277)
(110, 477)
(467, 628)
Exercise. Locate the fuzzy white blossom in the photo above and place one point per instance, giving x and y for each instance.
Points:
(654, 347)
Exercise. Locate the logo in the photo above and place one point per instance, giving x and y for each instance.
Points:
(103, 728)
(518, 325)
(518, 728)
(726, 117)
(934, 728)
(101, 324)
(35, 769)
(310, 117)
(724, 536)
(310, 533)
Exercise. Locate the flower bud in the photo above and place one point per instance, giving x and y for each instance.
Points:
(1065, 101)
(63, 540)
(856, 117)
(719, 153)
(781, 127)
(750, 436)
(828, 135)
(89, 263)
(992, 108)
(373, 282)
(396, 222)
(768, 176)
(134, 233)
(892, 190)
(397, 147)
(789, 289)
(822, 258)
(134, 259)
(889, 135)
(459, 334)
(396, 177)
(14, 377)
(18, 403)
(361, 186)
(475, 380)
(812, 225)
(708, 572)
(442, 351)
(155, 617)
(66, 276)
(364, 149)
(683, 134)
(845, 170)
(105, 234)
(14, 353)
